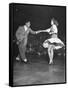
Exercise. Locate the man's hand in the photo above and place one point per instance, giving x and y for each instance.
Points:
(17, 42)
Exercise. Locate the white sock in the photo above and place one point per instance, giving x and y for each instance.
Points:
(17, 58)
(25, 60)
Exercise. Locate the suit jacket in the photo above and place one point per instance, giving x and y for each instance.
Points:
(22, 34)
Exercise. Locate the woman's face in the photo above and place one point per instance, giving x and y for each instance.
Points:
(52, 22)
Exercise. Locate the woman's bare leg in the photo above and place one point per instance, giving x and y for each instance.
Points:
(50, 53)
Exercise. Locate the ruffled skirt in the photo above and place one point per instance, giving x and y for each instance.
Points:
(56, 42)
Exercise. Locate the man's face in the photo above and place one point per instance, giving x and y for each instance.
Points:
(28, 24)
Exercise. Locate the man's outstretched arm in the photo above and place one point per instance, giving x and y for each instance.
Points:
(33, 32)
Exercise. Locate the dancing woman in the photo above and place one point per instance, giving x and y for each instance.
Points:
(53, 42)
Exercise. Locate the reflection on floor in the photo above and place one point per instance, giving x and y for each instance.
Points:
(38, 71)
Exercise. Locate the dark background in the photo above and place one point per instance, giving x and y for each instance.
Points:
(40, 17)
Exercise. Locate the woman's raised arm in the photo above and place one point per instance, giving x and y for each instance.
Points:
(47, 30)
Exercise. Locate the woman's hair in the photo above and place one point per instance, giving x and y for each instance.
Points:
(55, 21)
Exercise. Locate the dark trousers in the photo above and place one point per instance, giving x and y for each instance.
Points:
(22, 50)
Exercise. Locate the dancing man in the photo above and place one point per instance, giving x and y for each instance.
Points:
(22, 37)
(53, 42)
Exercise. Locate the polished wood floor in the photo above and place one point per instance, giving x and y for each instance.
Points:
(38, 71)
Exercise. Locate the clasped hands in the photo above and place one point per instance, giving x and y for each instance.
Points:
(40, 31)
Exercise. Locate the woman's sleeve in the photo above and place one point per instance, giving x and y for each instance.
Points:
(47, 30)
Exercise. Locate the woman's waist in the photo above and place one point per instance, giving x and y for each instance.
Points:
(53, 35)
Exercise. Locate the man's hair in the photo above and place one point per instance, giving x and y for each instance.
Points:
(27, 22)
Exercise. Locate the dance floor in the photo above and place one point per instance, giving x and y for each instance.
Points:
(38, 71)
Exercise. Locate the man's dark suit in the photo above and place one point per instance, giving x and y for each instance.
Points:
(22, 36)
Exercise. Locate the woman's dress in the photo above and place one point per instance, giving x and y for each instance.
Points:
(53, 40)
